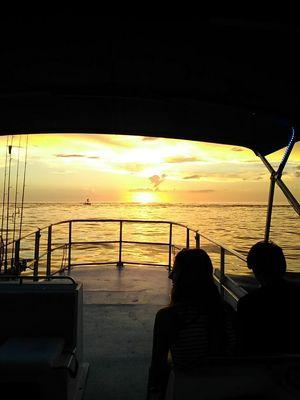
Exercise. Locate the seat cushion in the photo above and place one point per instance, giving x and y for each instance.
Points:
(30, 353)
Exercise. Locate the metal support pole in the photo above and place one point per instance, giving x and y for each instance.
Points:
(170, 248)
(222, 271)
(120, 262)
(187, 238)
(17, 257)
(276, 179)
(291, 199)
(70, 246)
(197, 239)
(270, 207)
(277, 174)
(36, 254)
(49, 244)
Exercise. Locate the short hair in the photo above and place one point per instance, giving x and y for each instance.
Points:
(267, 258)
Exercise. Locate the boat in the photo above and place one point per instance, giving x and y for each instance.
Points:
(208, 79)
(87, 202)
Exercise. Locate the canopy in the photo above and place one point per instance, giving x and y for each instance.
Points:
(210, 79)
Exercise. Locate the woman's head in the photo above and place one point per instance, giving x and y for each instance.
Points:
(192, 275)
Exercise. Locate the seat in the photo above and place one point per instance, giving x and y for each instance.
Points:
(41, 340)
(276, 378)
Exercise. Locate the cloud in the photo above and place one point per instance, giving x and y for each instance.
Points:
(252, 161)
(141, 190)
(235, 176)
(69, 155)
(181, 159)
(237, 149)
(132, 166)
(199, 191)
(75, 156)
(149, 138)
(173, 190)
(62, 172)
(156, 180)
(104, 139)
(192, 177)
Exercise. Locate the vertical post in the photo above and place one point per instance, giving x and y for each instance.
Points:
(222, 271)
(187, 238)
(120, 262)
(70, 246)
(197, 240)
(170, 247)
(270, 206)
(17, 257)
(49, 245)
(36, 254)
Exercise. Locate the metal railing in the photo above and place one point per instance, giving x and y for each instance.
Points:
(227, 286)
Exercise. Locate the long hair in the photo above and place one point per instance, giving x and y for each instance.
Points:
(192, 277)
(194, 289)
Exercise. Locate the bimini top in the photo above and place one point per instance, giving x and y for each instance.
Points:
(208, 79)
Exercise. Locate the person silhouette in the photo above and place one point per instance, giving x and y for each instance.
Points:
(195, 325)
(267, 316)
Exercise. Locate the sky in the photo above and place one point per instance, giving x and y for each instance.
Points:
(106, 168)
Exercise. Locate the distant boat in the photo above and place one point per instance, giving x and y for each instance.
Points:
(87, 202)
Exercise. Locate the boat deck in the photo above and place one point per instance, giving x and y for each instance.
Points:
(118, 316)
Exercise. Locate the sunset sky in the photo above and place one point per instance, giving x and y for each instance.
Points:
(73, 167)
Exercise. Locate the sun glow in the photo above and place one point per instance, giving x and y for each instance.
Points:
(145, 197)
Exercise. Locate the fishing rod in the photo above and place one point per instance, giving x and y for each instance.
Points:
(3, 205)
(16, 199)
(8, 200)
(4, 186)
(23, 190)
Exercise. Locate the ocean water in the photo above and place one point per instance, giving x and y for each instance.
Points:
(236, 226)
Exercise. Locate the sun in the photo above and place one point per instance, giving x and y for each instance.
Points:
(144, 197)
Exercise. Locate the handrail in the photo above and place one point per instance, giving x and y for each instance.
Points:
(44, 277)
(34, 262)
(233, 252)
(106, 220)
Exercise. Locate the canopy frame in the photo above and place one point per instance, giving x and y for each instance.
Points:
(275, 178)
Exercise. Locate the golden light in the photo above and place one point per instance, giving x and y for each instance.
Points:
(145, 197)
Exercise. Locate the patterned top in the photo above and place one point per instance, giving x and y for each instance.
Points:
(187, 334)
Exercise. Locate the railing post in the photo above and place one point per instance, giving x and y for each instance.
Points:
(187, 238)
(222, 272)
(170, 247)
(70, 246)
(17, 257)
(197, 240)
(36, 254)
(49, 245)
(120, 263)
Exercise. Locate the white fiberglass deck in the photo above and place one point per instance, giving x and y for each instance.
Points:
(118, 315)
